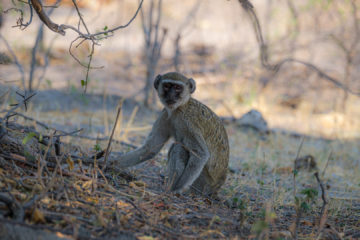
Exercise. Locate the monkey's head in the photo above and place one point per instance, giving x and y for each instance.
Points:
(174, 89)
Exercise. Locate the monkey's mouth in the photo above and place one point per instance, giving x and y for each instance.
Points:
(170, 102)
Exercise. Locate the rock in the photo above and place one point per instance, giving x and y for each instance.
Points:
(254, 119)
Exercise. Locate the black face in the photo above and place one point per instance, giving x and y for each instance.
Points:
(172, 92)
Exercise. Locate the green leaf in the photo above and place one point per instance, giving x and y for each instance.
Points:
(259, 226)
(305, 206)
(28, 137)
(97, 148)
(83, 83)
(105, 28)
(260, 182)
(310, 193)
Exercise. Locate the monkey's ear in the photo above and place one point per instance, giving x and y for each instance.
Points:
(157, 81)
(192, 85)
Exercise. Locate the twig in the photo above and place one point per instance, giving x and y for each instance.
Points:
(323, 212)
(88, 66)
(327, 163)
(112, 134)
(45, 125)
(19, 22)
(12, 112)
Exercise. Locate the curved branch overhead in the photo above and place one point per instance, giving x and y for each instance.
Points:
(39, 9)
(264, 57)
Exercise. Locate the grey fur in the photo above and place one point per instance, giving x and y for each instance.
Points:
(198, 160)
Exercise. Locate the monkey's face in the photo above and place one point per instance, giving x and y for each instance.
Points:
(173, 93)
(174, 89)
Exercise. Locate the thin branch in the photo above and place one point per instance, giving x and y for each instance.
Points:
(12, 112)
(80, 17)
(323, 212)
(106, 139)
(19, 22)
(112, 134)
(89, 66)
(17, 63)
(121, 26)
(33, 56)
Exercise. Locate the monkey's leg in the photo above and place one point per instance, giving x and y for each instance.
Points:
(177, 159)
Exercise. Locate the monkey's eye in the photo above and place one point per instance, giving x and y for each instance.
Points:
(166, 86)
(178, 88)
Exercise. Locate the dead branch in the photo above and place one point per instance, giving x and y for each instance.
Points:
(112, 134)
(180, 33)
(11, 112)
(153, 46)
(39, 9)
(323, 212)
(264, 57)
(15, 209)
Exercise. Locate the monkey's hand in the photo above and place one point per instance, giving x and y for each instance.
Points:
(180, 190)
(192, 170)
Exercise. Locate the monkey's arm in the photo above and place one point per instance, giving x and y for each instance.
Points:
(154, 142)
(199, 155)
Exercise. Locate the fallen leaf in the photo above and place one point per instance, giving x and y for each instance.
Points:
(18, 157)
(210, 232)
(87, 185)
(122, 204)
(70, 163)
(164, 215)
(306, 223)
(283, 170)
(38, 216)
(135, 184)
(147, 238)
(159, 205)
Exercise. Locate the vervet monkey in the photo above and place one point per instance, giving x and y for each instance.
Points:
(198, 159)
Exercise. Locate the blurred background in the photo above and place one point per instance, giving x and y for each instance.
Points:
(215, 44)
